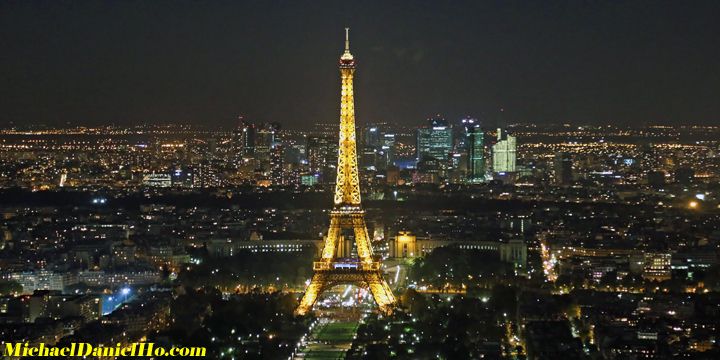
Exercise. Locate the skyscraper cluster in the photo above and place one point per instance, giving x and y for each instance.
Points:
(458, 152)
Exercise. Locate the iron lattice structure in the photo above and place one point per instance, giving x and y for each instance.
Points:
(347, 214)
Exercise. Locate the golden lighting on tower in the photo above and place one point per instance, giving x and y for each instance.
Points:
(347, 213)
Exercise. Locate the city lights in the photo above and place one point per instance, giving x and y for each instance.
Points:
(518, 181)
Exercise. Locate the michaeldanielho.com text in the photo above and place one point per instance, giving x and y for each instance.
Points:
(141, 349)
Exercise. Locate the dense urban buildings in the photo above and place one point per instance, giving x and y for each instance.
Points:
(595, 219)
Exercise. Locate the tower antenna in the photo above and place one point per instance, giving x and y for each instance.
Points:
(347, 39)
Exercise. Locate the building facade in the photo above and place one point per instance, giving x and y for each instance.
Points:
(434, 140)
(504, 153)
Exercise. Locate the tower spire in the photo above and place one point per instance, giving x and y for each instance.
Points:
(347, 40)
(347, 56)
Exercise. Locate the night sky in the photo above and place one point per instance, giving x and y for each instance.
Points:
(206, 62)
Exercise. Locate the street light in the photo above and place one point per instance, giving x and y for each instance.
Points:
(125, 292)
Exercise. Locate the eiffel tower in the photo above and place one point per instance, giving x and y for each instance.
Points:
(364, 271)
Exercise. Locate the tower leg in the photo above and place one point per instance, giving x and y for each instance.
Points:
(381, 292)
(362, 242)
(331, 241)
(311, 294)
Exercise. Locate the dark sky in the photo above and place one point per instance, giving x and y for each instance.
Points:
(128, 62)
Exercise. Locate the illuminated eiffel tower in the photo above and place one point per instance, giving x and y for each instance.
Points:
(364, 271)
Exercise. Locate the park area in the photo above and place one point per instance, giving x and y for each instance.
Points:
(332, 341)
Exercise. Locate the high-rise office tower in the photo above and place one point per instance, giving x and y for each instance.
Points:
(294, 151)
(369, 158)
(267, 136)
(243, 139)
(248, 138)
(462, 131)
(504, 153)
(276, 164)
(475, 142)
(435, 140)
(321, 153)
(387, 150)
(378, 149)
(206, 175)
(563, 168)
(371, 136)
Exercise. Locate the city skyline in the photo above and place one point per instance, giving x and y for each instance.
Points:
(455, 229)
(188, 63)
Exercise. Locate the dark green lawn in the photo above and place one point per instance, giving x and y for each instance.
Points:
(340, 331)
(325, 355)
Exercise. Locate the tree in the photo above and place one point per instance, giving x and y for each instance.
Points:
(10, 287)
(711, 278)
(609, 279)
(504, 299)
(416, 303)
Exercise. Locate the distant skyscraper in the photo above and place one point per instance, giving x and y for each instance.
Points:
(435, 140)
(321, 153)
(476, 153)
(294, 151)
(206, 175)
(276, 164)
(387, 149)
(504, 153)
(242, 144)
(378, 146)
(462, 131)
(267, 137)
(563, 168)
(429, 170)
(372, 136)
(244, 139)
(369, 158)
